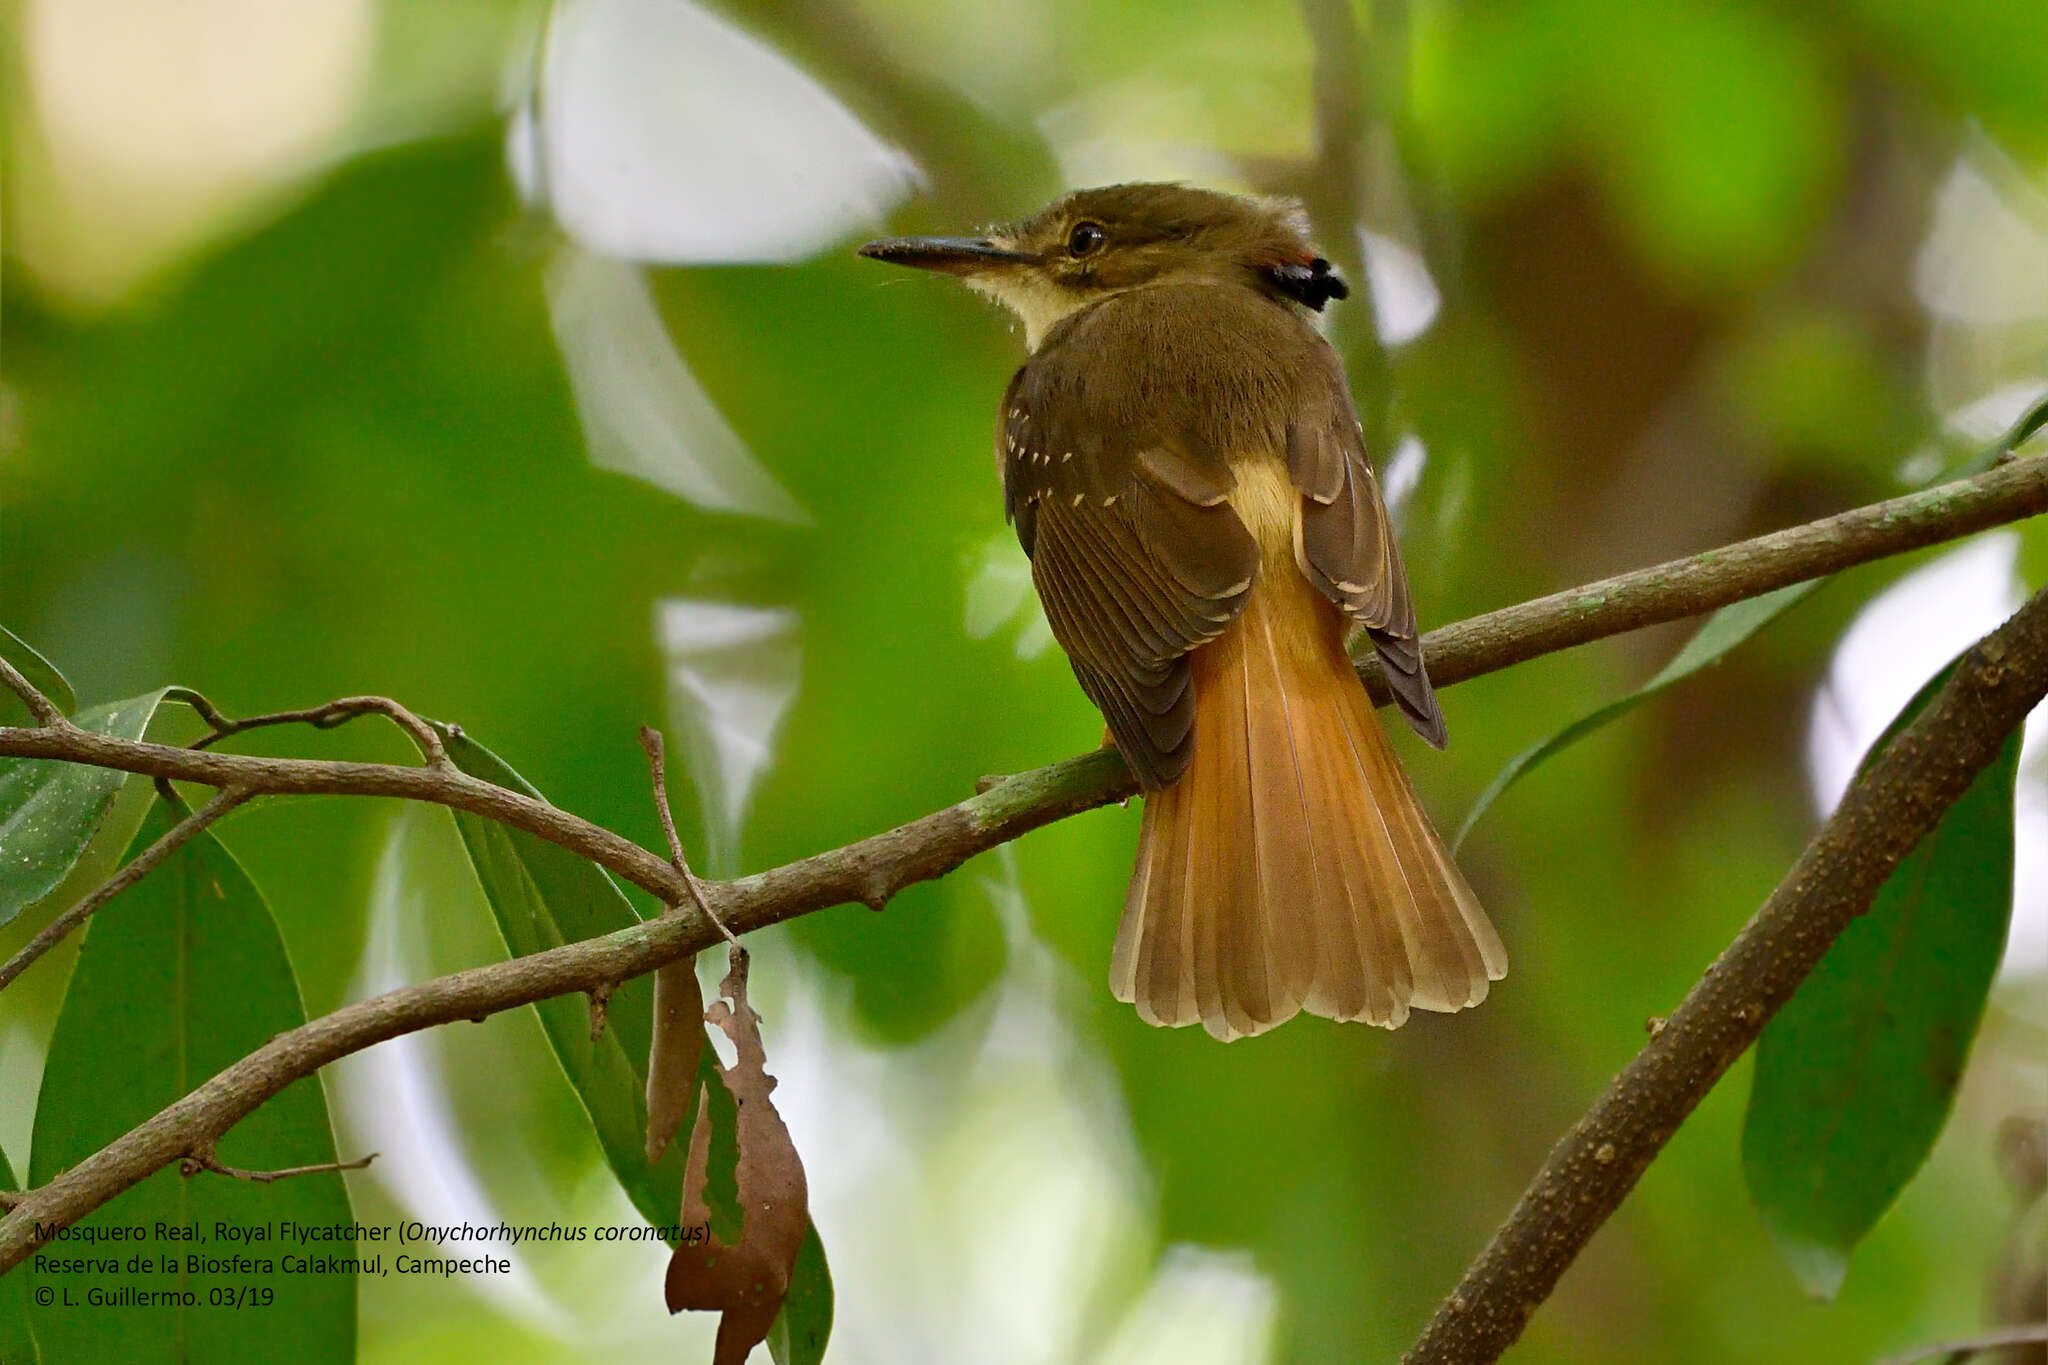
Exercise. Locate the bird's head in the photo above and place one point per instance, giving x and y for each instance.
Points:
(1097, 243)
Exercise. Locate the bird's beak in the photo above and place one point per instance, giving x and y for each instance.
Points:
(953, 255)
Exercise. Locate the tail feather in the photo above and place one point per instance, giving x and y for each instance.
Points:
(1233, 977)
(1274, 817)
(1291, 866)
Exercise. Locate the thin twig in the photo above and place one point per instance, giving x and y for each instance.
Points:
(600, 1009)
(172, 839)
(1714, 578)
(1888, 809)
(872, 869)
(41, 707)
(1963, 1348)
(657, 762)
(326, 716)
(202, 1159)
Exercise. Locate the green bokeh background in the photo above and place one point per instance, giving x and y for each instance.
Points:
(328, 447)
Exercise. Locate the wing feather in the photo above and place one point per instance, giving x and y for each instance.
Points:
(1345, 546)
(1136, 558)
(1115, 442)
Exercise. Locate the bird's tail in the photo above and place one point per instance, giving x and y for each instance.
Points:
(1291, 866)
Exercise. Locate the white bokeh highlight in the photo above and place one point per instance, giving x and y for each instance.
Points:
(393, 1098)
(1000, 595)
(1904, 637)
(659, 131)
(733, 673)
(1202, 1305)
(1985, 260)
(980, 1192)
(1405, 299)
(643, 413)
(155, 126)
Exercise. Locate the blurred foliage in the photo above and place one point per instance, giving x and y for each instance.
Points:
(329, 447)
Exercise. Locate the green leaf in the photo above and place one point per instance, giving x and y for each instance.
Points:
(180, 977)
(17, 1346)
(805, 1323)
(722, 1155)
(2023, 427)
(38, 670)
(1724, 630)
(1856, 1075)
(543, 896)
(50, 811)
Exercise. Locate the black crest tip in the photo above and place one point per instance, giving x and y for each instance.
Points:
(1312, 282)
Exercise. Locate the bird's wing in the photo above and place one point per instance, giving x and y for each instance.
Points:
(1345, 542)
(1135, 553)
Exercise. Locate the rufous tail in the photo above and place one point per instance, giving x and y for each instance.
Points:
(1291, 866)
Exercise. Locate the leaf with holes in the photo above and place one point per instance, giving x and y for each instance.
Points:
(180, 977)
(1724, 630)
(674, 1079)
(1856, 1074)
(51, 811)
(745, 1272)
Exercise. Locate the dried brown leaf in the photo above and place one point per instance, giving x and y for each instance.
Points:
(747, 1282)
(674, 1053)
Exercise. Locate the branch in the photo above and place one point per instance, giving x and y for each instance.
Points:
(1964, 1349)
(225, 800)
(657, 763)
(1714, 578)
(873, 869)
(41, 707)
(324, 717)
(1891, 806)
(205, 1160)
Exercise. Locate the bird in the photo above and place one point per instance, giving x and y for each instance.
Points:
(1184, 466)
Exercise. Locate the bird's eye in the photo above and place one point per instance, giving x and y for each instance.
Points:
(1085, 238)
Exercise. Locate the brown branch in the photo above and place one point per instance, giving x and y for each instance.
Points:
(203, 1160)
(321, 777)
(1734, 573)
(657, 762)
(323, 717)
(41, 707)
(1891, 806)
(873, 869)
(1964, 1348)
(225, 800)
(866, 871)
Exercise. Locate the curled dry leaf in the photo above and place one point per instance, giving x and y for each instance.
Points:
(747, 1282)
(674, 1053)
